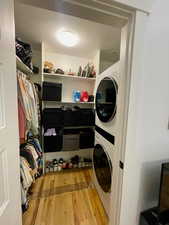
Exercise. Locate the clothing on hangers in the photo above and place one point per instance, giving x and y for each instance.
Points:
(29, 122)
(28, 104)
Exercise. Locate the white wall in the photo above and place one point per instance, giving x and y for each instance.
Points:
(66, 62)
(105, 65)
(145, 5)
(148, 135)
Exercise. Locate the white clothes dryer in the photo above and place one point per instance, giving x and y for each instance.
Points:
(106, 166)
(107, 99)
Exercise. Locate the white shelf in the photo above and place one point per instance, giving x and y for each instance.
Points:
(66, 155)
(54, 75)
(84, 103)
(22, 67)
(78, 127)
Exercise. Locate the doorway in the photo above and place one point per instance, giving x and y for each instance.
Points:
(43, 49)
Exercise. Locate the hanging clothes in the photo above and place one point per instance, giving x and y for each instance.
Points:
(28, 98)
(22, 120)
(30, 161)
(25, 173)
(29, 123)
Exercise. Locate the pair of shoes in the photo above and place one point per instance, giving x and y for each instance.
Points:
(88, 162)
(67, 165)
(49, 166)
(55, 162)
(75, 161)
(50, 132)
(62, 164)
(81, 163)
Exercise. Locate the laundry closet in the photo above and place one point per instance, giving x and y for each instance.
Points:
(70, 100)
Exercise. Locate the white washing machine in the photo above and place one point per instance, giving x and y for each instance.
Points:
(107, 99)
(105, 166)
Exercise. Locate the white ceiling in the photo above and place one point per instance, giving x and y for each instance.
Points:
(37, 25)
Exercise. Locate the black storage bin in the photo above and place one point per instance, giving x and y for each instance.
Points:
(68, 118)
(87, 117)
(52, 91)
(54, 143)
(86, 138)
(72, 117)
(53, 117)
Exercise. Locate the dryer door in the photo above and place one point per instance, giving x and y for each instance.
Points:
(103, 168)
(106, 97)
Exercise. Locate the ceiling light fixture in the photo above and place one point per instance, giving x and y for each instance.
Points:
(67, 38)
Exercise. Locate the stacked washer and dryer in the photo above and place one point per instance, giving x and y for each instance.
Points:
(106, 151)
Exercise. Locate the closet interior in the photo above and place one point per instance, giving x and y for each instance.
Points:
(56, 89)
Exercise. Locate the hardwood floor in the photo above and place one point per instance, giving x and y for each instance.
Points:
(65, 198)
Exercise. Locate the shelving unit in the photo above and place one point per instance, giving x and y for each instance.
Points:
(22, 67)
(54, 75)
(69, 83)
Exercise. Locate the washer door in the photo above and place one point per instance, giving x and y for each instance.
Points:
(106, 97)
(103, 168)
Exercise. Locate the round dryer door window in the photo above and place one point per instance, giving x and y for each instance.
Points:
(103, 168)
(106, 97)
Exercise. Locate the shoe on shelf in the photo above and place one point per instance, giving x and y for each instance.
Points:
(64, 165)
(59, 168)
(61, 160)
(55, 161)
(55, 167)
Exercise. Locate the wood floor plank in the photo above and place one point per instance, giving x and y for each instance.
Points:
(65, 198)
(81, 209)
(29, 217)
(63, 209)
(96, 207)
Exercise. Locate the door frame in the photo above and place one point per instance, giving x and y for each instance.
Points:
(111, 8)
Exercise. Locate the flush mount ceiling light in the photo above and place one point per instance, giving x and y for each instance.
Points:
(67, 38)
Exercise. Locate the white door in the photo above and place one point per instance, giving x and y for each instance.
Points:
(10, 203)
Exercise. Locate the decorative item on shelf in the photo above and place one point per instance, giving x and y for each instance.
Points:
(48, 67)
(76, 96)
(91, 98)
(59, 71)
(71, 73)
(84, 72)
(88, 71)
(92, 72)
(79, 71)
(84, 96)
